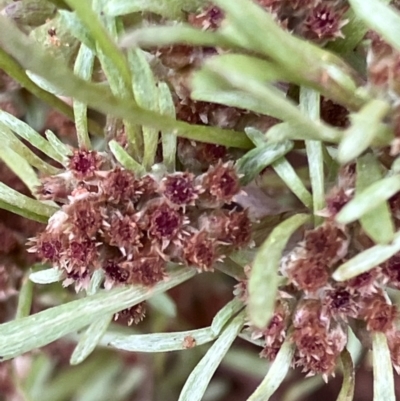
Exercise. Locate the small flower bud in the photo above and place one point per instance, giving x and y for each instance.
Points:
(200, 251)
(179, 188)
(134, 314)
(84, 163)
(220, 183)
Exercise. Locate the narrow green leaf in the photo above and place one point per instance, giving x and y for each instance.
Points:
(124, 158)
(85, 12)
(380, 17)
(365, 126)
(222, 317)
(272, 100)
(20, 167)
(14, 198)
(256, 136)
(303, 60)
(347, 390)
(172, 9)
(294, 131)
(22, 212)
(10, 141)
(94, 333)
(29, 134)
(164, 304)
(42, 328)
(159, 36)
(254, 67)
(245, 361)
(44, 84)
(254, 161)
(89, 340)
(71, 21)
(15, 71)
(370, 198)
(95, 282)
(146, 96)
(24, 298)
(378, 223)
(100, 98)
(303, 388)
(243, 257)
(263, 282)
(168, 139)
(276, 373)
(289, 176)
(275, 103)
(46, 276)
(383, 370)
(83, 68)
(197, 382)
(367, 260)
(162, 342)
(165, 342)
(60, 147)
(310, 105)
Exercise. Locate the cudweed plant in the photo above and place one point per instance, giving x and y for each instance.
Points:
(202, 111)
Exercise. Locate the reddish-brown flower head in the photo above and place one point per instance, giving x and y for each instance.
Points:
(179, 188)
(115, 273)
(364, 284)
(336, 200)
(83, 163)
(124, 232)
(85, 217)
(378, 314)
(326, 243)
(231, 228)
(134, 314)
(53, 188)
(221, 182)
(81, 254)
(323, 22)
(210, 18)
(164, 222)
(318, 343)
(339, 302)
(237, 229)
(200, 251)
(47, 246)
(391, 271)
(147, 270)
(309, 274)
(121, 185)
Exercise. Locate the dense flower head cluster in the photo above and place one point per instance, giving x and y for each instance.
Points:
(131, 226)
(313, 310)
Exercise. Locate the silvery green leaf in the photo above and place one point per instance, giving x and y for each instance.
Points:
(276, 373)
(47, 276)
(197, 382)
(383, 371)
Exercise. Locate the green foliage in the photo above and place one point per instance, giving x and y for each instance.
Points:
(114, 76)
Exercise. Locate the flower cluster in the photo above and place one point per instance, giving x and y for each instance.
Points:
(313, 310)
(131, 226)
